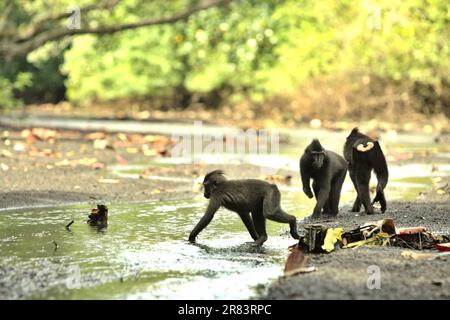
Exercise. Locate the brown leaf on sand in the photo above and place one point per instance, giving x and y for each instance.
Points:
(122, 137)
(28, 136)
(96, 136)
(100, 143)
(41, 134)
(296, 262)
(112, 181)
(417, 255)
(7, 154)
(45, 134)
(120, 159)
(98, 165)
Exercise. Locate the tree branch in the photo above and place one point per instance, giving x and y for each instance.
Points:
(4, 16)
(17, 48)
(39, 25)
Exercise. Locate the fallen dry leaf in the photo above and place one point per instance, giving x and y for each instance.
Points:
(132, 150)
(122, 137)
(413, 230)
(156, 191)
(45, 134)
(120, 159)
(87, 161)
(149, 152)
(41, 134)
(28, 136)
(98, 165)
(300, 271)
(100, 143)
(63, 163)
(296, 262)
(417, 255)
(4, 166)
(7, 154)
(96, 136)
(108, 181)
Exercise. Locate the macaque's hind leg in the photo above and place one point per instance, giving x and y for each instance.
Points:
(335, 193)
(260, 226)
(326, 207)
(248, 222)
(381, 199)
(363, 177)
(357, 204)
(280, 216)
(383, 202)
(272, 211)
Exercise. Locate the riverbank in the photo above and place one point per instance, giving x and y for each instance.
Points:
(51, 168)
(243, 117)
(343, 274)
(48, 167)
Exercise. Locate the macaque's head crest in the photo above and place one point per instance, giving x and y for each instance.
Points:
(355, 131)
(316, 146)
(212, 179)
(317, 153)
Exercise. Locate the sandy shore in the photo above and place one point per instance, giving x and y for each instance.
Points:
(343, 274)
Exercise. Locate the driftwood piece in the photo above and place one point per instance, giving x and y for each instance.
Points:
(99, 216)
(69, 224)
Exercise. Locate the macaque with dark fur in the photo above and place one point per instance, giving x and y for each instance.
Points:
(260, 198)
(364, 154)
(327, 170)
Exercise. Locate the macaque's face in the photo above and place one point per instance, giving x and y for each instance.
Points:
(208, 186)
(317, 159)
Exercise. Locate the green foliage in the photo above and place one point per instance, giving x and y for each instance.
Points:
(213, 48)
(8, 87)
(7, 100)
(253, 49)
(265, 48)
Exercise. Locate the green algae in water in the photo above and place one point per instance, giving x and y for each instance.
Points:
(142, 254)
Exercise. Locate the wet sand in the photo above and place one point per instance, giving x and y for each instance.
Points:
(37, 181)
(343, 274)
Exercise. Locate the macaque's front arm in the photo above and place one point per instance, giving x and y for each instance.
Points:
(304, 173)
(213, 206)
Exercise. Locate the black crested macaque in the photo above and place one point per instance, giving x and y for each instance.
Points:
(364, 155)
(327, 169)
(259, 197)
